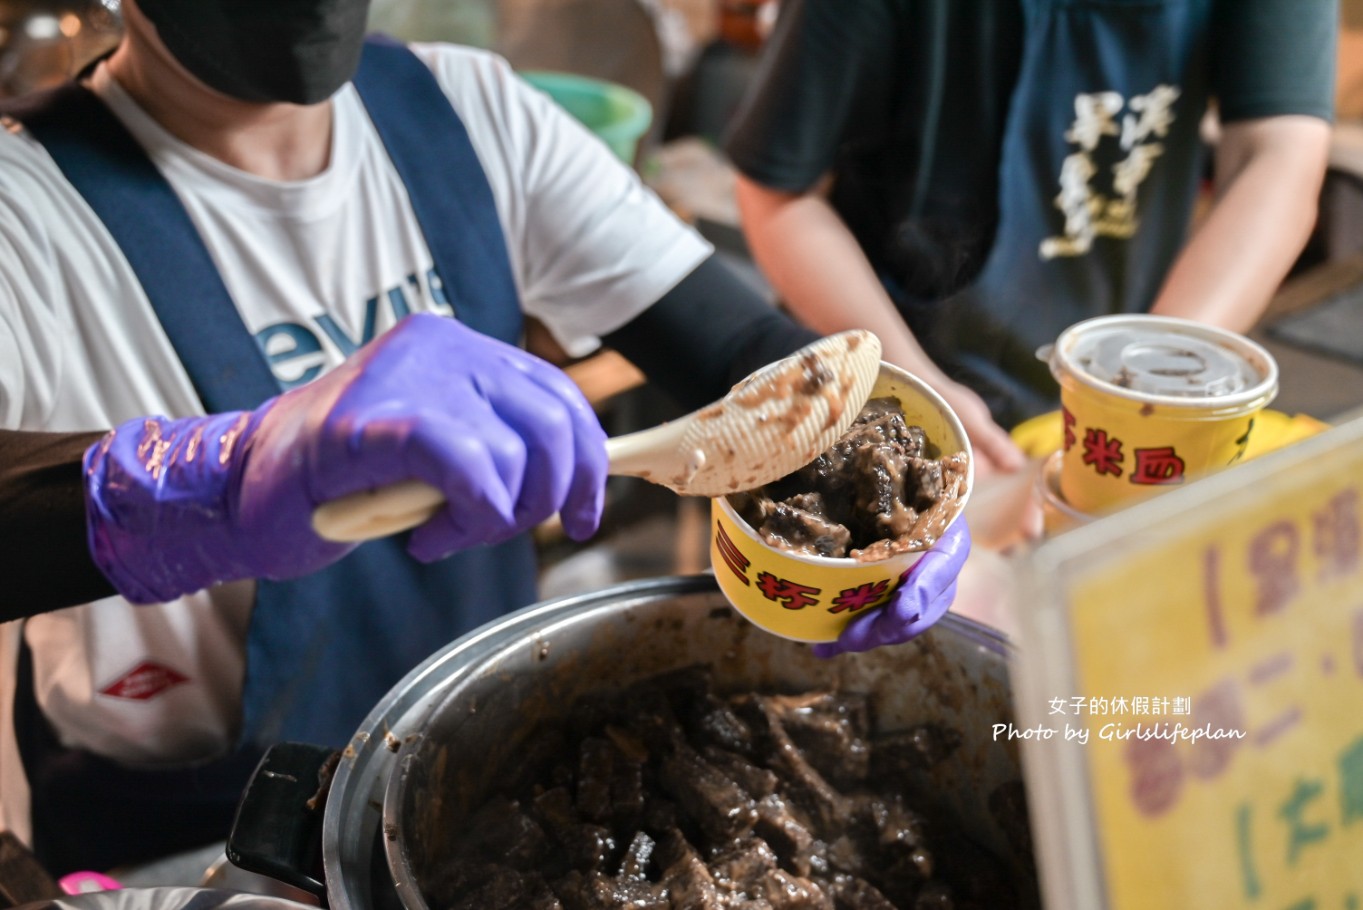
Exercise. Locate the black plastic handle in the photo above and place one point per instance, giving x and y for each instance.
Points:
(277, 831)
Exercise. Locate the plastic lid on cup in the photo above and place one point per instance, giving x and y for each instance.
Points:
(1152, 357)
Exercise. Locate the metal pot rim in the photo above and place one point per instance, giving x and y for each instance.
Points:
(409, 709)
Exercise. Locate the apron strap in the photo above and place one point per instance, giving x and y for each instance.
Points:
(430, 148)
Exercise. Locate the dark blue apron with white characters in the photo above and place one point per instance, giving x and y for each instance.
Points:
(321, 650)
(1100, 169)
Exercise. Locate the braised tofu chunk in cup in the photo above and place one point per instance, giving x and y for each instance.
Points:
(803, 556)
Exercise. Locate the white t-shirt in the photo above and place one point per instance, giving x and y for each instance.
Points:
(80, 347)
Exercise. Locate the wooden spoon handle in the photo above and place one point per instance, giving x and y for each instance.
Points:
(371, 514)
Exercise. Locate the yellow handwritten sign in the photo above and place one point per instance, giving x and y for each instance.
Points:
(1211, 719)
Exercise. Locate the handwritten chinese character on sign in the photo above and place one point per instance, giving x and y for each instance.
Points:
(1156, 775)
(1351, 783)
(1219, 707)
(1308, 814)
(1336, 537)
(1293, 811)
(1278, 666)
(1274, 560)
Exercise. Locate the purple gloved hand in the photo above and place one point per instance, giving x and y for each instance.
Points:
(174, 506)
(922, 600)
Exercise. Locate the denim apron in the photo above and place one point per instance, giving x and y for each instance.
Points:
(321, 650)
(1101, 164)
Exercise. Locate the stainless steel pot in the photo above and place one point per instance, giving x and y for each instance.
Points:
(426, 754)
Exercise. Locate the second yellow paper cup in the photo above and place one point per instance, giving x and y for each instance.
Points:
(1150, 402)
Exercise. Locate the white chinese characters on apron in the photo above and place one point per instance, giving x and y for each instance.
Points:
(1101, 165)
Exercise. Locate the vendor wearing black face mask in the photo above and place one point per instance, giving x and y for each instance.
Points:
(263, 50)
(256, 222)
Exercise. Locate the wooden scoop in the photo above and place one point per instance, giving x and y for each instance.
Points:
(773, 422)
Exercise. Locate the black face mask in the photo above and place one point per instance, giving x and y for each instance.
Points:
(299, 51)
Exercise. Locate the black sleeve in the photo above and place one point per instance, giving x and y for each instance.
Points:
(45, 562)
(825, 69)
(706, 334)
(1272, 57)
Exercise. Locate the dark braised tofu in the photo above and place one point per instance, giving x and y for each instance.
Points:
(928, 485)
(880, 485)
(792, 528)
(682, 798)
(508, 889)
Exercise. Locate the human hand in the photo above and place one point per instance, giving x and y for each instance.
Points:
(923, 598)
(994, 450)
(1005, 509)
(175, 506)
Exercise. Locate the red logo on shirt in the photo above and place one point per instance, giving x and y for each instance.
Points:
(144, 681)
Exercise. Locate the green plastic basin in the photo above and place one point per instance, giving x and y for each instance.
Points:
(618, 115)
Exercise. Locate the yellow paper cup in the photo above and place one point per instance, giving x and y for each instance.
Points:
(1151, 402)
(1057, 515)
(811, 598)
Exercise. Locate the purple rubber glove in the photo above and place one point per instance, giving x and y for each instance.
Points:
(923, 599)
(175, 506)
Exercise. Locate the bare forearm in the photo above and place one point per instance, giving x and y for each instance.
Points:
(1269, 174)
(819, 270)
(821, 274)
